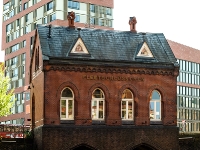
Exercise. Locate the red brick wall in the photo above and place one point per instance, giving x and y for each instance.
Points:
(55, 81)
(37, 88)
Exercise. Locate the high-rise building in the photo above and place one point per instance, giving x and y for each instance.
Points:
(20, 18)
(188, 87)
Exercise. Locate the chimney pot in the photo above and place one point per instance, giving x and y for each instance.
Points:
(71, 17)
(132, 23)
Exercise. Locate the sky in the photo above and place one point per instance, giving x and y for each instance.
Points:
(177, 19)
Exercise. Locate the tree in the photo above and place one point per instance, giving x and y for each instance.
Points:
(5, 94)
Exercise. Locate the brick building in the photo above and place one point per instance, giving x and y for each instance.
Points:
(103, 89)
(20, 18)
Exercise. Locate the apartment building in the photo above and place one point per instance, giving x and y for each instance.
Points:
(188, 87)
(20, 18)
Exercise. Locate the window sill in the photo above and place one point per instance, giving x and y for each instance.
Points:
(156, 122)
(66, 121)
(98, 122)
(127, 122)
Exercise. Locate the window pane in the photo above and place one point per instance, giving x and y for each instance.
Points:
(69, 3)
(123, 110)
(52, 17)
(151, 110)
(70, 109)
(130, 110)
(157, 110)
(67, 93)
(101, 109)
(94, 109)
(155, 95)
(127, 94)
(49, 6)
(97, 94)
(63, 108)
(45, 20)
(6, 6)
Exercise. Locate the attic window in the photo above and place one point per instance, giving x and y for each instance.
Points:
(145, 51)
(79, 48)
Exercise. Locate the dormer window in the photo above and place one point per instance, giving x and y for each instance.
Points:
(79, 48)
(145, 51)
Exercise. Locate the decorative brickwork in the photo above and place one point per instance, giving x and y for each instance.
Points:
(94, 112)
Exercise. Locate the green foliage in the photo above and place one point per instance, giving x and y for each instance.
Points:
(5, 95)
(28, 134)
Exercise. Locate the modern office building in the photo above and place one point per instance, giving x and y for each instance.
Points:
(188, 87)
(20, 18)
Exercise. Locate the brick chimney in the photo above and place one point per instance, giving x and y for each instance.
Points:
(71, 17)
(132, 23)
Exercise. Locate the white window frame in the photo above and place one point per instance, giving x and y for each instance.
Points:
(127, 100)
(67, 99)
(95, 113)
(155, 112)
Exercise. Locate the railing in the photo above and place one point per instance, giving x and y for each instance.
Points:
(13, 131)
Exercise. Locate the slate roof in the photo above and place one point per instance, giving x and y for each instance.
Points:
(103, 45)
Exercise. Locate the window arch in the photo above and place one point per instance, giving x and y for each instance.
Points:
(67, 104)
(98, 105)
(155, 106)
(127, 105)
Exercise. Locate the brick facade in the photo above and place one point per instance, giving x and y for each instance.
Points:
(55, 67)
(83, 130)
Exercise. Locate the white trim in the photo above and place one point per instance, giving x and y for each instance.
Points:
(83, 49)
(145, 51)
(154, 101)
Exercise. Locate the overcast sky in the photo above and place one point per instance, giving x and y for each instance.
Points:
(177, 19)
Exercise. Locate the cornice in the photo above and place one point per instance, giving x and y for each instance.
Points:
(103, 69)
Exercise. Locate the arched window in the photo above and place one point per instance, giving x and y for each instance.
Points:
(67, 105)
(98, 105)
(127, 105)
(155, 106)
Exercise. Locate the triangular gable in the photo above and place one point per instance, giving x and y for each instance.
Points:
(79, 47)
(145, 51)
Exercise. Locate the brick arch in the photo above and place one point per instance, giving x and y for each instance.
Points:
(83, 146)
(70, 85)
(159, 89)
(100, 86)
(145, 144)
(131, 88)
